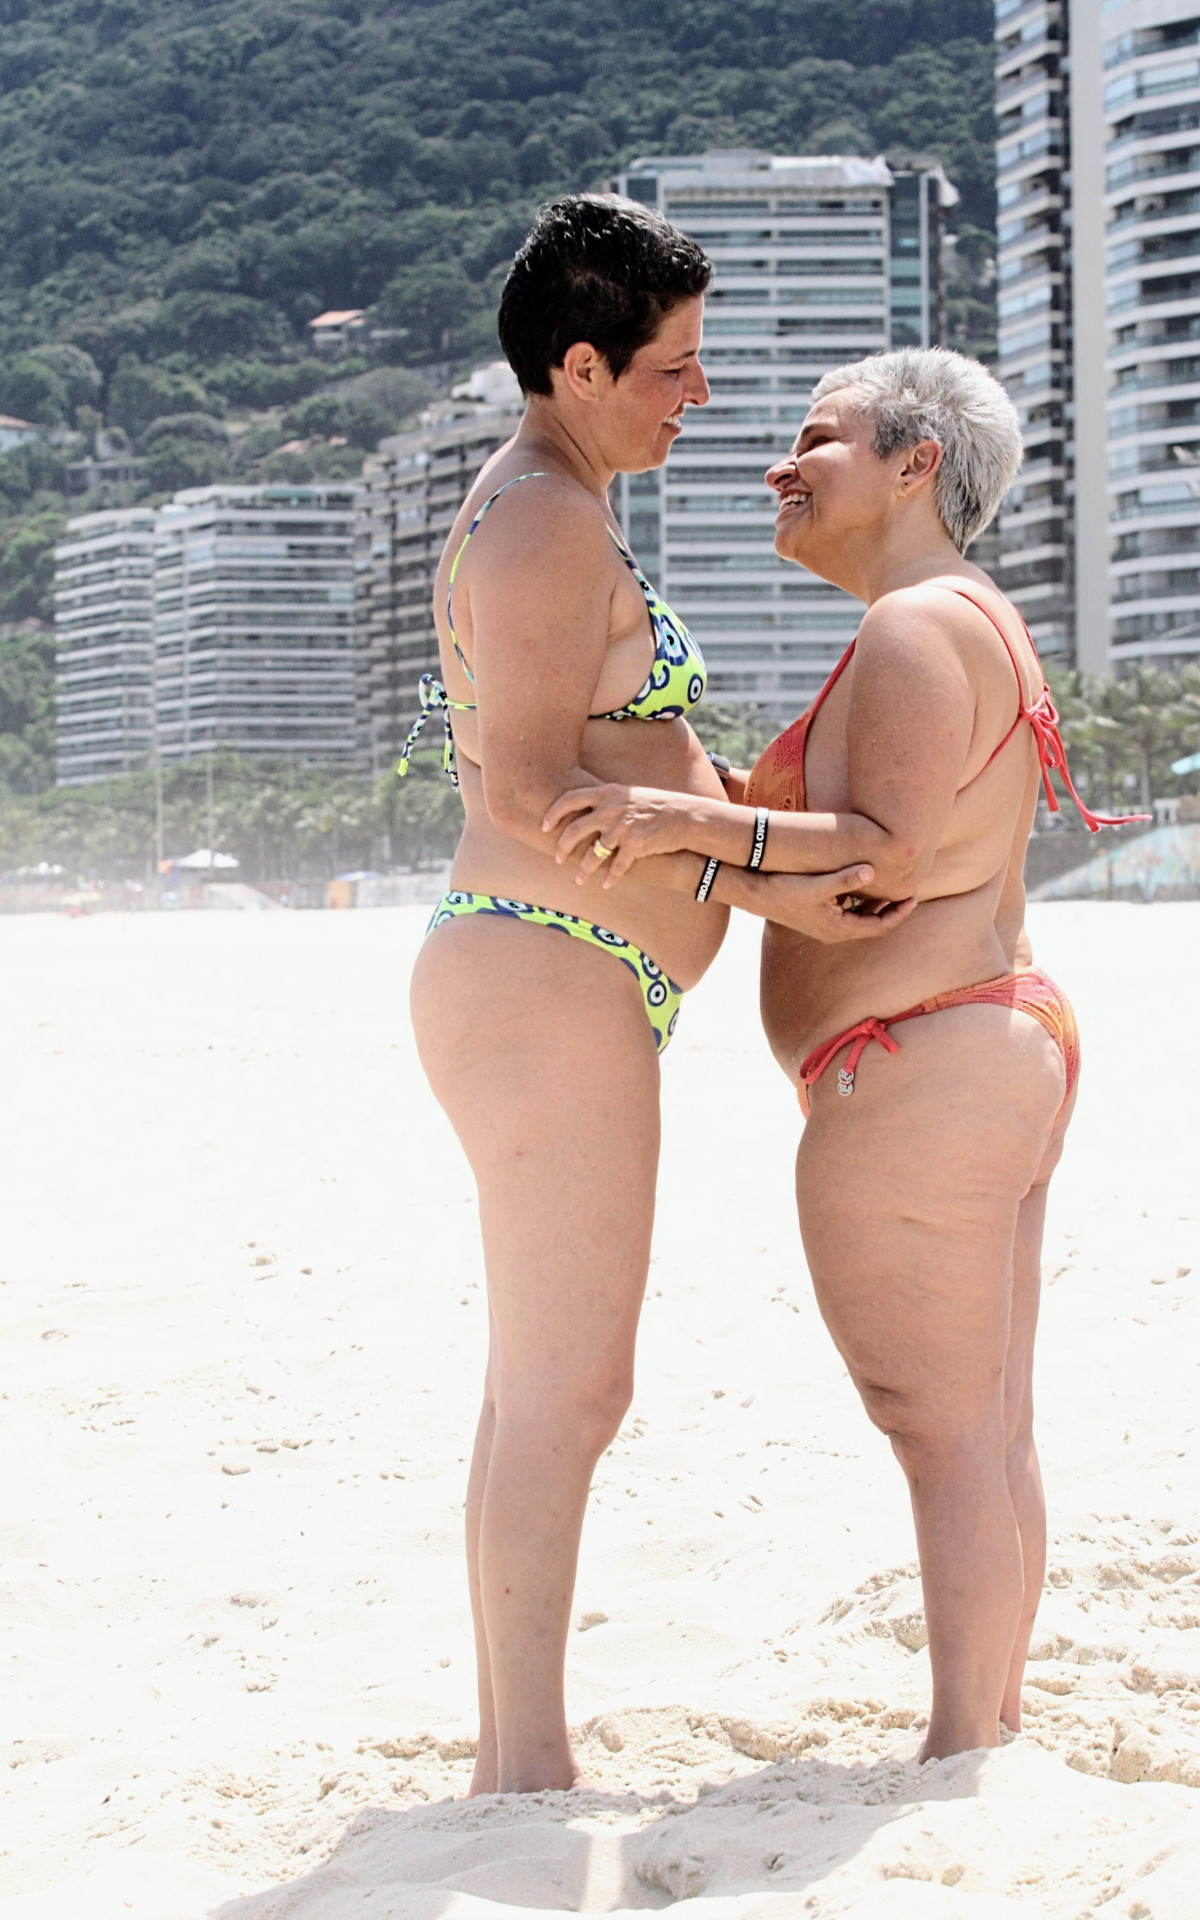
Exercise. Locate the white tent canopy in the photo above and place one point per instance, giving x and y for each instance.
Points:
(205, 858)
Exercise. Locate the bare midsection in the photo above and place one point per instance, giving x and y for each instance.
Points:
(678, 935)
(811, 992)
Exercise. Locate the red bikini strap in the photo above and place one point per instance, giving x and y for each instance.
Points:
(1044, 719)
(832, 681)
(1022, 710)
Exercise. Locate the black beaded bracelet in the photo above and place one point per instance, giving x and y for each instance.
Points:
(762, 820)
(706, 880)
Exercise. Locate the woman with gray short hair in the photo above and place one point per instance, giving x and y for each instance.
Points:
(936, 1069)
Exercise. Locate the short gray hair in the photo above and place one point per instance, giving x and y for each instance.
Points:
(929, 393)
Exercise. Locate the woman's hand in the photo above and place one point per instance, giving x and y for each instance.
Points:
(829, 907)
(633, 822)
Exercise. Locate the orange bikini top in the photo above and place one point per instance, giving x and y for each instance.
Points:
(778, 777)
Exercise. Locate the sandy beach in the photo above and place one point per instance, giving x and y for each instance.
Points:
(244, 1322)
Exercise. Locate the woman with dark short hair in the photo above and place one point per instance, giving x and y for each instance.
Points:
(540, 1024)
(937, 1071)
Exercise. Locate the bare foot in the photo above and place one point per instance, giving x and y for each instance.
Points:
(485, 1779)
(946, 1750)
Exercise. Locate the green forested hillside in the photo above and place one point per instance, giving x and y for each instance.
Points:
(190, 181)
(184, 184)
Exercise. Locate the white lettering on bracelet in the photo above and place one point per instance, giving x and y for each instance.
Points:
(706, 880)
(762, 821)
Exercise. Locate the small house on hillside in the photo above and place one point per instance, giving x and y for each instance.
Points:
(16, 433)
(336, 330)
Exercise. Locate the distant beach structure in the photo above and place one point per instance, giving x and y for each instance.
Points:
(1157, 865)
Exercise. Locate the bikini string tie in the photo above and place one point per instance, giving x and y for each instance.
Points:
(1043, 717)
(859, 1039)
(433, 698)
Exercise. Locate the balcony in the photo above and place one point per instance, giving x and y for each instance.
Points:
(1150, 83)
(1039, 68)
(1168, 373)
(1159, 121)
(1149, 293)
(1039, 39)
(1042, 110)
(1158, 207)
(1156, 247)
(1031, 266)
(1127, 421)
(1143, 167)
(1010, 13)
(1049, 143)
(1045, 337)
(1141, 43)
(1038, 192)
(1161, 458)
(1172, 584)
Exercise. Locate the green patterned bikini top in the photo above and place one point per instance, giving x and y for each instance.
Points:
(674, 685)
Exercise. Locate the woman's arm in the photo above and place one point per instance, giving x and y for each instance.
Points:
(818, 904)
(639, 821)
(538, 595)
(910, 727)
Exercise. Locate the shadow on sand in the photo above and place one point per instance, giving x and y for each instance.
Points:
(781, 1829)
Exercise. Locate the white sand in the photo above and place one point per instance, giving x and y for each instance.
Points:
(243, 1336)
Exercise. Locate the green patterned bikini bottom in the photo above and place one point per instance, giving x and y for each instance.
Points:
(660, 996)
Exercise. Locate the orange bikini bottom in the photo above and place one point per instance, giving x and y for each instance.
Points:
(1032, 992)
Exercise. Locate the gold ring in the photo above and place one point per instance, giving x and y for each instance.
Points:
(601, 851)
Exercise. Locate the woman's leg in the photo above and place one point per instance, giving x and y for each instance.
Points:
(1024, 1473)
(539, 1050)
(486, 1765)
(910, 1194)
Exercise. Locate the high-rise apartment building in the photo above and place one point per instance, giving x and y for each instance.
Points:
(104, 633)
(1099, 309)
(412, 490)
(1036, 558)
(816, 261)
(254, 621)
(1151, 110)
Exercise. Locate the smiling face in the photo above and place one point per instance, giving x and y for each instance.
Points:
(637, 418)
(835, 493)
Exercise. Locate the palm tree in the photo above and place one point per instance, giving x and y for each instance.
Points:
(1145, 706)
(1088, 731)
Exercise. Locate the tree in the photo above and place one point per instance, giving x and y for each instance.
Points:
(27, 564)
(140, 394)
(26, 709)
(1144, 705)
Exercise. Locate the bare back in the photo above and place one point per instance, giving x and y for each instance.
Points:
(969, 925)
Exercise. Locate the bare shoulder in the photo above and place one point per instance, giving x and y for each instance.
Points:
(964, 616)
(917, 630)
(545, 521)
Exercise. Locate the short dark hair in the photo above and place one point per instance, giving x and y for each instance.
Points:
(598, 268)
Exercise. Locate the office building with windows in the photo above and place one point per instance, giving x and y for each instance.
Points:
(254, 621)
(411, 493)
(104, 645)
(1098, 160)
(816, 261)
